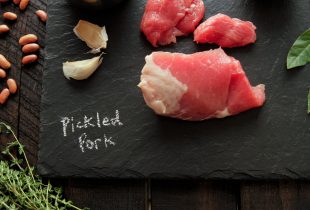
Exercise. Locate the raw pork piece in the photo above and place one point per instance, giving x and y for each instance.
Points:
(199, 86)
(225, 31)
(163, 20)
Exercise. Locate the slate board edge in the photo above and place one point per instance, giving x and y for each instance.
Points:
(43, 169)
(40, 166)
(218, 175)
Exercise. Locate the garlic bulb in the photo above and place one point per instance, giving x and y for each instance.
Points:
(95, 36)
(83, 69)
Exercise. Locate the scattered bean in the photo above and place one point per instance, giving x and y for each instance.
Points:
(4, 29)
(16, 1)
(5, 93)
(29, 59)
(12, 85)
(9, 16)
(42, 15)
(30, 48)
(2, 73)
(23, 4)
(4, 63)
(26, 39)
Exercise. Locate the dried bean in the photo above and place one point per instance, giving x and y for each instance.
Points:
(5, 93)
(30, 48)
(4, 29)
(12, 85)
(9, 16)
(2, 73)
(26, 39)
(42, 15)
(4, 63)
(23, 4)
(29, 59)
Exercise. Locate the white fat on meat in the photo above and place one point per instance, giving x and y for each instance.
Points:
(222, 114)
(161, 90)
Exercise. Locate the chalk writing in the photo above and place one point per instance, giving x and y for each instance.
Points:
(86, 143)
(89, 122)
(71, 125)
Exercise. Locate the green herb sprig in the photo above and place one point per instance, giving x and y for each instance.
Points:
(21, 187)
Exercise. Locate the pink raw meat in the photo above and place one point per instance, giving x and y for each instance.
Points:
(199, 86)
(164, 20)
(225, 31)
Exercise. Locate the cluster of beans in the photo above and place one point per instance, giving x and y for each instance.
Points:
(28, 43)
(11, 83)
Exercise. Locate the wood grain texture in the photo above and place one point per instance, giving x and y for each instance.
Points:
(30, 85)
(107, 194)
(9, 48)
(194, 195)
(23, 109)
(275, 195)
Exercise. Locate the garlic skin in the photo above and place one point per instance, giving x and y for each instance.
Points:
(80, 70)
(93, 35)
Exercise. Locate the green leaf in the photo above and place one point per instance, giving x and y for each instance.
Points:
(299, 53)
(309, 102)
(21, 149)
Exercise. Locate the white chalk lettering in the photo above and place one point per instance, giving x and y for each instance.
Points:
(116, 121)
(87, 143)
(65, 121)
(75, 124)
(108, 141)
(72, 126)
(106, 121)
(82, 141)
(79, 125)
(98, 120)
(89, 121)
(96, 143)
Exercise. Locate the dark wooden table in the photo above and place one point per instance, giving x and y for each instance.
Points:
(22, 112)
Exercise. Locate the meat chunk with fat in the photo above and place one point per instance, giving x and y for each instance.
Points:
(198, 86)
(225, 31)
(164, 20)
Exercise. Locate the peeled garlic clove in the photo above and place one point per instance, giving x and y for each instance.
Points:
(95, 36)
(81, 70)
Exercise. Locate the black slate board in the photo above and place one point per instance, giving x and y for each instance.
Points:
(271, 142)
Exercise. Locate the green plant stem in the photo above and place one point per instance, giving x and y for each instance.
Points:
(17, 194)
(25, 158)
(25, 189)
(13, 158)
(19, 166)
(4, 204)
(47, 191)
(20, 146)
(67, 203)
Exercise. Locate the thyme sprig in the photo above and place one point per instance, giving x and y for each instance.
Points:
(21, 187)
